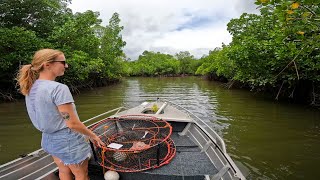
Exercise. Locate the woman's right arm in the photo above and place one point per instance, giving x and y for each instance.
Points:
(74, 123)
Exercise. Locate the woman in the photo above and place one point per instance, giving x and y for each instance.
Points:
(51, 109)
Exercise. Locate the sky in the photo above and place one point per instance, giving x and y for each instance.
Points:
(170, 26)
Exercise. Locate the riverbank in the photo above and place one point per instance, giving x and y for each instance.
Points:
(305, 92)
(11, 94)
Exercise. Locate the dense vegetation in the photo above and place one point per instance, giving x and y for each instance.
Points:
(158, 64)
(29, 25)
(276, 51)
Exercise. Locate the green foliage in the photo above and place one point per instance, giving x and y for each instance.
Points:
(185, 59)
(218, 63)
(158, 64)
(78, 33)
(40, 16)
(111, 47)
(17, 45)
(280, 45)
(94, 53)
(81, 66)
(285, 38)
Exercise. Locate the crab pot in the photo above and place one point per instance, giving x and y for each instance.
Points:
(134, 143)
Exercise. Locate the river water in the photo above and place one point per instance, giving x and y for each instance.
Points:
(266, 139)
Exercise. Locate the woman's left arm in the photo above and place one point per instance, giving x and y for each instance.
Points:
(74, 123)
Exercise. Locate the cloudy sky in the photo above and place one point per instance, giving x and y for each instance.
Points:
(170, 26)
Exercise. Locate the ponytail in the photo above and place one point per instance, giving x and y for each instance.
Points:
(29, 73)
(26, 77)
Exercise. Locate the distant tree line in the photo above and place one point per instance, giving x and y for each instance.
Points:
(158, 64)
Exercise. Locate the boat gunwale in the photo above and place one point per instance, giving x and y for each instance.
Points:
(20, 158)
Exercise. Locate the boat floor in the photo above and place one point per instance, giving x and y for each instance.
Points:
(189, 163)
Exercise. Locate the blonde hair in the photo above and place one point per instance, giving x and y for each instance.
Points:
(28, 74)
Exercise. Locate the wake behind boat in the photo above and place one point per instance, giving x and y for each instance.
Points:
(199, 152)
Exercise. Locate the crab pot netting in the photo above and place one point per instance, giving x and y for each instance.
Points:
(145, 143)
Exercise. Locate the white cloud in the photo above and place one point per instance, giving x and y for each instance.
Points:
(194, 38)
(170, 26)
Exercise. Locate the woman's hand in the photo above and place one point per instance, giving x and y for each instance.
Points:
(96, 139)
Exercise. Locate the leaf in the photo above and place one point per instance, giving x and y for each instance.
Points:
(290, 12)
(300, 32)
(295, 5)
(306, 14)
(264, 1)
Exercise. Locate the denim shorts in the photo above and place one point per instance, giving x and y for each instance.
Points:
(69, 146)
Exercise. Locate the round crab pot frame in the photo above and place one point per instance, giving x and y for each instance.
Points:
(134, 143)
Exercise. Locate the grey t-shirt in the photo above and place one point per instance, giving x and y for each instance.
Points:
(42, 102)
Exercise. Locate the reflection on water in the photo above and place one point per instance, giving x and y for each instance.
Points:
(267, 139)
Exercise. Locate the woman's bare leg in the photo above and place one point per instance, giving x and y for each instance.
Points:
(64, 171)
(80, 171)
